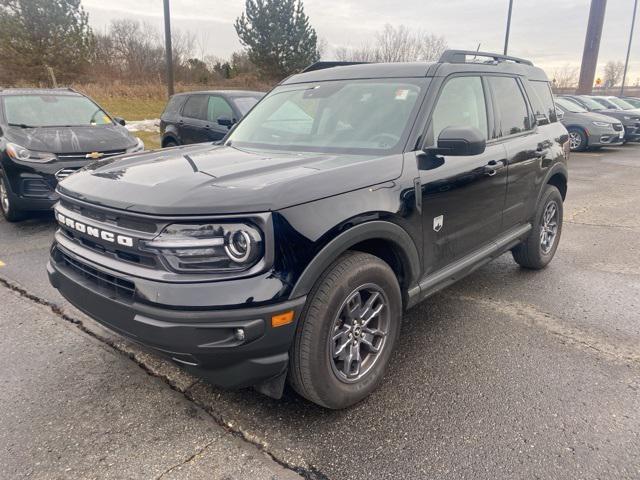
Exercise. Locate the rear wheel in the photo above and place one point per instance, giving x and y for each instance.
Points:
(170, 143)
(347, 332)
(577, 140)
(541, 244)
(6, 202)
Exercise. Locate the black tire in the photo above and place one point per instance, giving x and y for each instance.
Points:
(170, 143)
(578, 141)
(312, 367)
(533, 253)
(10, 213)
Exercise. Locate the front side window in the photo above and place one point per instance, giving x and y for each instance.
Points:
(53, 111)
(460, 104)
(542, 100)
(196, 107)
(512, 112)
(218, 107)
(349, 116)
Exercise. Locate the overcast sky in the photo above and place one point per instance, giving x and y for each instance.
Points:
(549, 32)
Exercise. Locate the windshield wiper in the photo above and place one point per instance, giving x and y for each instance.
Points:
(21, 125)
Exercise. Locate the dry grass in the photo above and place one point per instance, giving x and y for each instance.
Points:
(151, 139)
(146, 101)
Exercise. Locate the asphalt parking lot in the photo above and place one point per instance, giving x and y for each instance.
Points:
(507, 374)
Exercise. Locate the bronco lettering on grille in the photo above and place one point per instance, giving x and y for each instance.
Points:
(93, 231)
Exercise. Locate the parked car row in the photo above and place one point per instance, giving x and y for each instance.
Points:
(596, 121)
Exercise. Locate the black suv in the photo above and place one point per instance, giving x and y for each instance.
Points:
(46, 135)
(197, 117)
(346, 196)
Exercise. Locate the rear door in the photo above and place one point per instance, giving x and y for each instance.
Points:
(525, 146)
(462, 196)
(193, 125)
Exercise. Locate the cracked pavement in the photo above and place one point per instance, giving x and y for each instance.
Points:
(507, 374)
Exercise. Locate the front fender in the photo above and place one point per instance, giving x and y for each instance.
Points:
(377, 229)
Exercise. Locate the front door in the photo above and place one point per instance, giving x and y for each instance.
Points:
(462, 196)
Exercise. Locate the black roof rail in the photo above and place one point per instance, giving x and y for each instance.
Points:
(460, 56)
(322, 65)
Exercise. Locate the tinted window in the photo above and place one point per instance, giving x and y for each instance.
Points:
(174, 104)
(606, 103)
(196, 107)
(542, 100)
(218, 107)
(460, 104)
(590, 103)
(570, 106)
(53, 111)
(512, 112)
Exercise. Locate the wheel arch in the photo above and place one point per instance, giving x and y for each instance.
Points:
(386, 240)
(583, 130)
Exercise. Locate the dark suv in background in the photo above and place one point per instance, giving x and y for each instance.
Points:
(46, 135)
(347, 195)
(197, 117)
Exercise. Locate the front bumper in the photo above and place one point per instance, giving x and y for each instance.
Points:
(203, 341)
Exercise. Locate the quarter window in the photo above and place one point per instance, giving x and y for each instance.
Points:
(461, 104)
(196, 107)
(512, 107)
(542, 101)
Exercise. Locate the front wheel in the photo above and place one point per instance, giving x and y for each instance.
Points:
(347, 332)
(540, 246)
(577, 140)
(7, 207)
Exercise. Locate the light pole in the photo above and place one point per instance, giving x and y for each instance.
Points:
(167, 47)
(591, 46)
(626, 62)
(506, 35)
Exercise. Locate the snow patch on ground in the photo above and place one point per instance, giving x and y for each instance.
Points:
(152, 125)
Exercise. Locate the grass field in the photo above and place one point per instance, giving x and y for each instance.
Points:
(151, 139)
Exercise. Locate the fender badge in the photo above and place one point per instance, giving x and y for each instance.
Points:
(438, 222)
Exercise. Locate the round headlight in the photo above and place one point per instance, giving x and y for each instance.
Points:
(238, 246)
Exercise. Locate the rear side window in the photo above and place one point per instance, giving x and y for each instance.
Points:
(174, 104)
(461, 104)
(218, 107)
(512, 108)
(542, 100)
(196, 107)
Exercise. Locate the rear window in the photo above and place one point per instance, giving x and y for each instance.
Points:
(542, 100)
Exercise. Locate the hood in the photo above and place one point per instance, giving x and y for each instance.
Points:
(619, 114)
(205, 179)
(96, 138)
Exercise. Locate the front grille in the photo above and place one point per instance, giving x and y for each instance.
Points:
(617, 127)
(65, 172)
(121, 220)
(114, 287)
(36, 188)
(88, 155)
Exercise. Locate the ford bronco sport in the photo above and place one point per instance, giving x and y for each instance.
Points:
(347, 195)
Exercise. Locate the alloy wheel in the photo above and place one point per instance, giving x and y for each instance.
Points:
(549, 227)
(575, 140)
(359, 333)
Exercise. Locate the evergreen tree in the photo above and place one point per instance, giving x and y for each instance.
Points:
(279, 39)
(35, 34)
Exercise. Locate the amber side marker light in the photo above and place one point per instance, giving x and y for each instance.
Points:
(282, 319)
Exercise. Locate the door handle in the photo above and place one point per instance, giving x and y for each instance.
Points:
(492, 167)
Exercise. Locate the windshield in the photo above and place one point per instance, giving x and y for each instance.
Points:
(606, 103)
(621, 103)
(569, 106)
(348, 116)
(592, 104)
(245, 104)
(52, 111)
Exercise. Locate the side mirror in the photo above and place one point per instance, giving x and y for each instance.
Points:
(559, 114)
(225, 122)
(541, 119)
(120, 121)
(460, 141)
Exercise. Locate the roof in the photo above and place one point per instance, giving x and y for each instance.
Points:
(226, 93)
(451, 61)
(38, 91)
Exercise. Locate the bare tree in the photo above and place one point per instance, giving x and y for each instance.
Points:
(565, 77)
(362, 54)
(613, 73)
(398, 44)
(432, 47)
